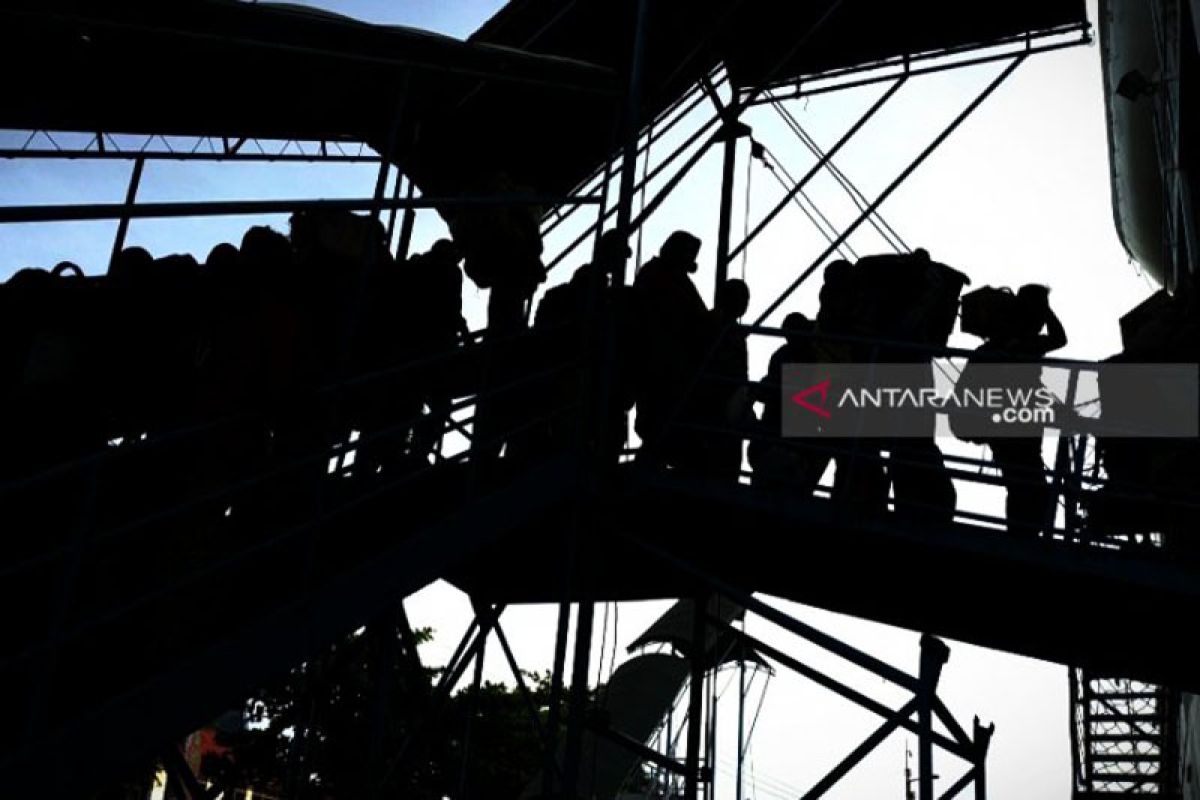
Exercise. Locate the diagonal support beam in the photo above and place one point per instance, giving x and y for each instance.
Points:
(652, 175)
(661, 126)
(672, 182)
(135, 182)
(960, 784)
(527, 697)
(788, 623)
(816, 168)
(870, 210)
(862, 751)
(638, 748)
(481, 627)
(966, 752)
(956, 730)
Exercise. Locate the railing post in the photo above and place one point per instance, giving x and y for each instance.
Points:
(695, 697)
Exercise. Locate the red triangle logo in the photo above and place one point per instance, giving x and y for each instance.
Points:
(822, 389)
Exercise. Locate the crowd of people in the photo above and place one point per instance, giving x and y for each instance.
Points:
(277, 348)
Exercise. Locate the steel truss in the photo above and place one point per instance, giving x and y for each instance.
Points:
(375, 586)
(697, 771)
(104, 146)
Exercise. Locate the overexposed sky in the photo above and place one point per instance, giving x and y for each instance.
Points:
(1018, 194)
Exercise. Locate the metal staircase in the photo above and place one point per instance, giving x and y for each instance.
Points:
(1124, 737)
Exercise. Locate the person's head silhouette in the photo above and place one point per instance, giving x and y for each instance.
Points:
(732, 300)
(681, 248)
(795, 326)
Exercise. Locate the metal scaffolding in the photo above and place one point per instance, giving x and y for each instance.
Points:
(351, 573)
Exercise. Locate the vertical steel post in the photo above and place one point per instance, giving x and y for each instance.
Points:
(391, 226)
(730, 132)
(695, 699)
(579, 696)
(741, 728)
(982, 738)
(1064, 473)
(934, 654)
(406, 227)
(633, 103)
(472, 712)
(669, 750)
(135, 181)
(710, 750)
(554, 717)
(384, 659)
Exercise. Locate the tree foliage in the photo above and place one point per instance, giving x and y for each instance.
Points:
(339, 727)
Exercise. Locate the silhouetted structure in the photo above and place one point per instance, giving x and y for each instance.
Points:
(248, 479)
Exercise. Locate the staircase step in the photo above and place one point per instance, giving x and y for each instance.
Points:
(1094, 717)
(1122, 696)
(1140, 780)
(1102, 795)
(1124, 759)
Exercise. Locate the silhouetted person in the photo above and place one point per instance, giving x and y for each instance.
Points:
(859, 479)
(355, 332)
(289, 334)
(221, 260)
(502, 246)
(573, 347)
(674, 320)
(723, 393)
(835, 315)
(567, 303)
(129, 287)
(131, 264)
(778, 462)
(502, 249)
(230, 362)
(1019, 340)
(51, 372)
(909, 303)
(612, 335)
(434, 283)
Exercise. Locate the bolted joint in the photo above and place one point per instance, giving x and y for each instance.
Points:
(733, 130)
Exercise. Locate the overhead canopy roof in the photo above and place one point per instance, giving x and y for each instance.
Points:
(225, 68)
(761, 41)
(756, 38)
(273, 71)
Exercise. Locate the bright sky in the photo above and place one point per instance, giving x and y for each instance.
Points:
(1018, 194)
